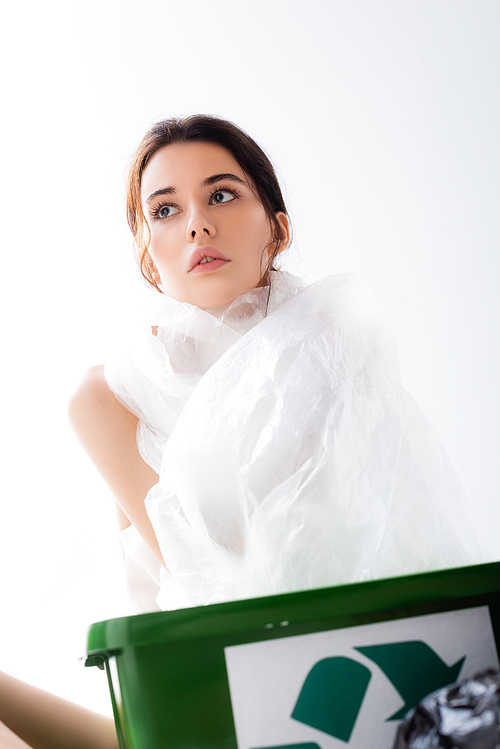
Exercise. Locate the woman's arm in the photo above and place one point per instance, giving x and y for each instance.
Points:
(45, 721)
(9, 740)
(107, 432)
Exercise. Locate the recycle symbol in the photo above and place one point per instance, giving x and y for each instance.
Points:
(332, 694)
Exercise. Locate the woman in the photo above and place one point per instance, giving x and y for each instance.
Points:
(261, 418)
(275, 446)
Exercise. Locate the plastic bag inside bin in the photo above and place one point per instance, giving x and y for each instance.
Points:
(464, 716)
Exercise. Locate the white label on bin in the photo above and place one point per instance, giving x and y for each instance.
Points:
(350, 687)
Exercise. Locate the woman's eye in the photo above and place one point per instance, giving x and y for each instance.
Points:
(222, 196)
(165, 211)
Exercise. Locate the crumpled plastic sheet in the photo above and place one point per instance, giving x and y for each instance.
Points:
(289, 456)
(464, 716)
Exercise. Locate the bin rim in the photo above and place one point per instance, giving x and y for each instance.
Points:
(346, 604)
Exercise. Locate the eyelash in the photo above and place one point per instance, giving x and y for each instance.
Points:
(155, 211)
(224, 188)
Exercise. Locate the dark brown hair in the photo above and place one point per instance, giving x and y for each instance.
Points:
(209, 129)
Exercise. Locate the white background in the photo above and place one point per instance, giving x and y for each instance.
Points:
(383, 118)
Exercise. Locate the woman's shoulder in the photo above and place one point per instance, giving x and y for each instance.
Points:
(91, 402)
(91, 389)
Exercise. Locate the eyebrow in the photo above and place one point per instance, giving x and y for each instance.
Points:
(219, 177)
(206, 183)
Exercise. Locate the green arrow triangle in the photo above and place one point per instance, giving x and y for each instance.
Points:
(331, 696)
(414, 668)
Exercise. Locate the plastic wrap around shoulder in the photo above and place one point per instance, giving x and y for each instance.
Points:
(288, 454)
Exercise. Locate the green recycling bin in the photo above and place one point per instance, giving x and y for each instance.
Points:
(317, 669)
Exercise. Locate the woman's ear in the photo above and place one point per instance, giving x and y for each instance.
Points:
(153, 270)
(155, 274)
(284, 223)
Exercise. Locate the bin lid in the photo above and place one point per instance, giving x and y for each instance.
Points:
(333, 607)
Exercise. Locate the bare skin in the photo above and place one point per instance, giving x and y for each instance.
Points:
(9, 740)
(50, 722)
(107, 432)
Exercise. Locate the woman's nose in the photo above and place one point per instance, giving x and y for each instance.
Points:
(199, 225)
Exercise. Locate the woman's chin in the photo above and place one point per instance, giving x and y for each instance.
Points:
(212, 296)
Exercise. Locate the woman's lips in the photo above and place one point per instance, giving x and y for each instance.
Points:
(206, 259)
(209, 265)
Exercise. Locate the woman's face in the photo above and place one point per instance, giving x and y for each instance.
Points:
(208, 229)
